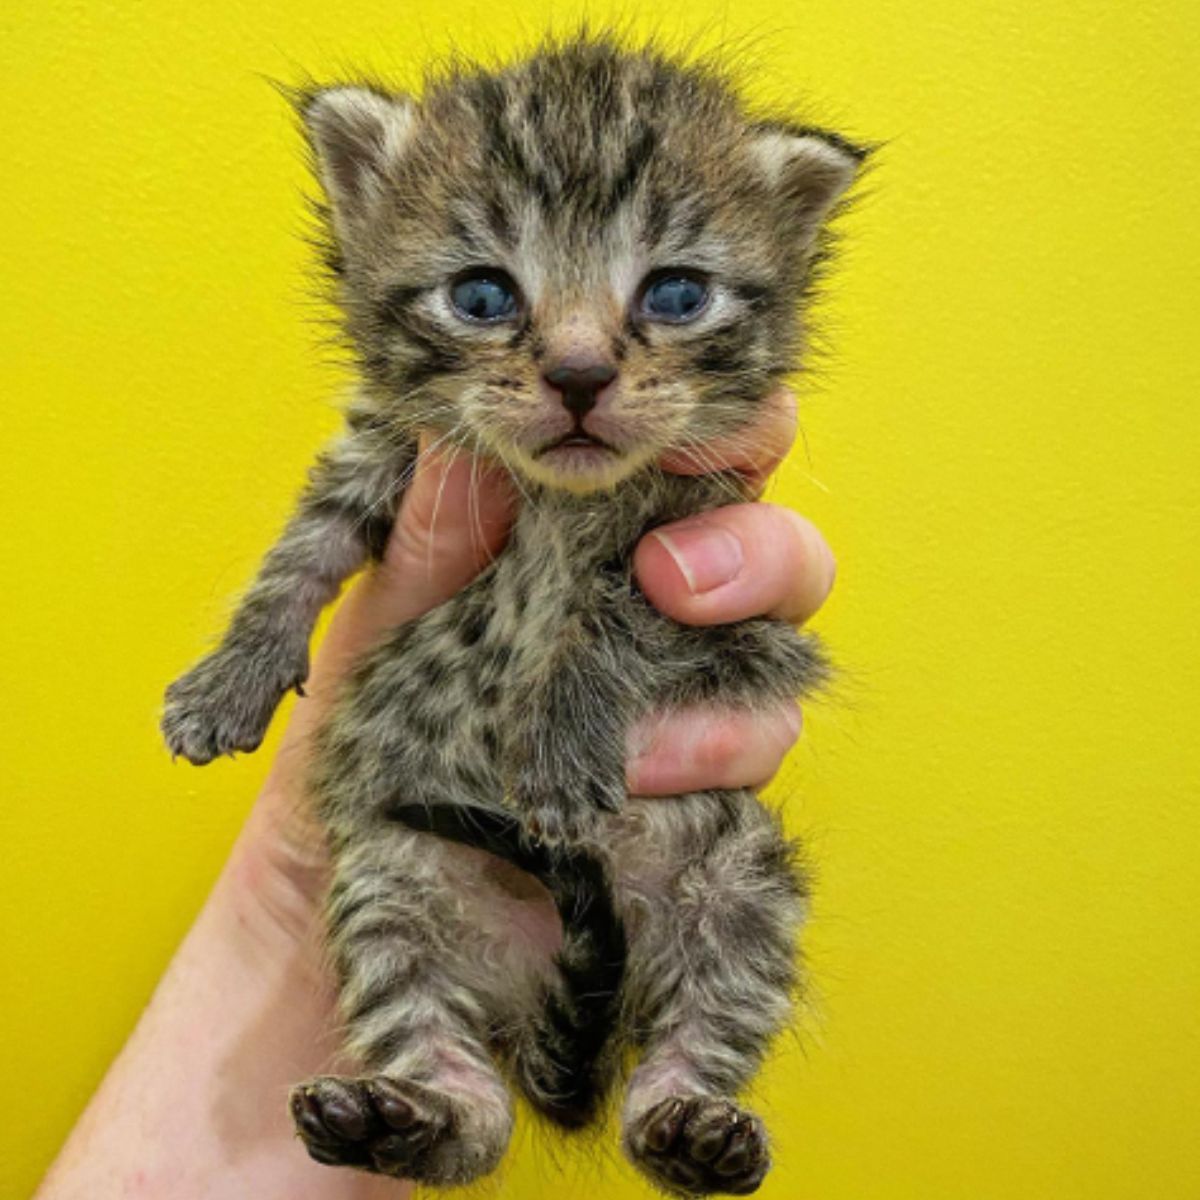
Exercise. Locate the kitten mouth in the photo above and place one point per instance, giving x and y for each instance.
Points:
(577, 462)
(580, 462)
(579, 441)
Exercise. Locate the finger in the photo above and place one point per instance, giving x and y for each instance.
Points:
(746, 560)
(694, 750)
(453, 520)
(754, 451)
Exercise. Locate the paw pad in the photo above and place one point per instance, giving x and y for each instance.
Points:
(377, 1124)
(698, 1146)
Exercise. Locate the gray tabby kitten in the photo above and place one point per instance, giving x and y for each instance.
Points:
(572, 266)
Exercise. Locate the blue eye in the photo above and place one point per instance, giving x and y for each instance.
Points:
(674, 298)
(484, 296)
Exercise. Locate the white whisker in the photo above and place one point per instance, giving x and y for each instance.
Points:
(437, 504)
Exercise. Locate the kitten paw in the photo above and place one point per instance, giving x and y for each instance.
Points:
(386, 1126)
(226, 702)
(697, 1146)
(554, 827)
(565, 815)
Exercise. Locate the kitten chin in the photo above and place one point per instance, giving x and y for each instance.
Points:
(582, 469)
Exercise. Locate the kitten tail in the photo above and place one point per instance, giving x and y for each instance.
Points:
(564, 1061)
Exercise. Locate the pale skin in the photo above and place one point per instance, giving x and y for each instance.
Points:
(195, 1104)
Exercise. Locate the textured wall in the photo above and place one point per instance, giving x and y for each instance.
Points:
(1002, 447)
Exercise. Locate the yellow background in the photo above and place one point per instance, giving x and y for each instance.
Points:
(1002, 449)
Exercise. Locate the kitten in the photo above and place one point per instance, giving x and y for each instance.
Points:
(572, 266)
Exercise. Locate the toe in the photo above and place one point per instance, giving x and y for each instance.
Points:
(343, 1110)
(392, 1104)
(331, 1110)
(306, 1113)
(737, 1154)
(662, 1124)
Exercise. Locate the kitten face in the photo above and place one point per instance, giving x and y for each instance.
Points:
(576, 264)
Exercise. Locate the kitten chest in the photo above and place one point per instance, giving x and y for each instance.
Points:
(555, 576)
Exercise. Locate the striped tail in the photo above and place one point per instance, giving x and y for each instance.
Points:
(566, 1066)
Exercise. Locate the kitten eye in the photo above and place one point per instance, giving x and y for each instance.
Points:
(485, 295)
(674, 297)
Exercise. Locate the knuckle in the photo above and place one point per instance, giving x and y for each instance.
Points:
(722, 747)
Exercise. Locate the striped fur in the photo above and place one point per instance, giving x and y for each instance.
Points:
(500, 908)
(567, 1059)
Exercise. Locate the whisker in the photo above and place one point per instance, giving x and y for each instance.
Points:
(437, 504)
(475, 519)
(515, 475)
(397, 484)
(714, 466)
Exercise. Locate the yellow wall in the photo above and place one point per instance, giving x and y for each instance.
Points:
(1003, 450)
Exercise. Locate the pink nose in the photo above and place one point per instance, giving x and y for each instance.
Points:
(580, 384)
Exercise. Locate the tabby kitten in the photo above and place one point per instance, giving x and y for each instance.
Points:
(572, 265)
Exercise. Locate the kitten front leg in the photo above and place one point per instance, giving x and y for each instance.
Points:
(750, 663)
(227, 700)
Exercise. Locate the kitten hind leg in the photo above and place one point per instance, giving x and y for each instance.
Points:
(713, 921)
(431, 1105)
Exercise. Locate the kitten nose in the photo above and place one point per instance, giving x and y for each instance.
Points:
(580, 385)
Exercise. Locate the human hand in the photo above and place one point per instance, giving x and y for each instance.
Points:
(735, 562)
(246, 1006)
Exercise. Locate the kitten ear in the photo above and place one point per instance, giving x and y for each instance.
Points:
(358, 135)
(810, 168)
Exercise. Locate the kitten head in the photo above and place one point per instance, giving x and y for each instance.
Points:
(577, 263)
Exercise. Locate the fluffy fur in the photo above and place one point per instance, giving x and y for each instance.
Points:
(480, 749)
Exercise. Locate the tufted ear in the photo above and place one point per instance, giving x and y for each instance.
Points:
(810, 168)
(358, 135)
